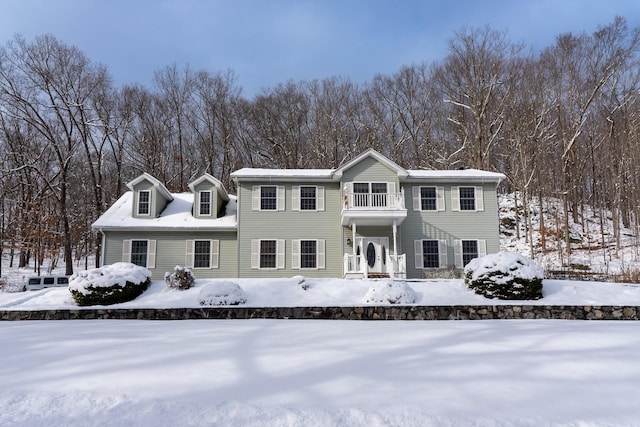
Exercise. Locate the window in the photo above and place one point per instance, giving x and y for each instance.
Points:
(308, 254)
(360, 193)
(308, 198)
(202, 254)
(144, 202)
(268, 254)
(467, 198)
(268, 198)
(469, 251)
(428, 198)
(205, 203)
(139, 252)
(378, 194)
(430, 254)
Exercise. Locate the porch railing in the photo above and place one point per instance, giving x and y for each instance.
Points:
(357, 264)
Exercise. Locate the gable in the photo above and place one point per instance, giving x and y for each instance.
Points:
(366, 162)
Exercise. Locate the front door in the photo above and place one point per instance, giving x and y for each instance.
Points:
(375, 253)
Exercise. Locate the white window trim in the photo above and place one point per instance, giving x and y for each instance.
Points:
(478, 196)
(151, 251)
(417, 198)
(256, 197)
(320, 254)
(255, 254)
(200, 203)
(138, 203)
(457, 250)
(214, 254)
(419, 255)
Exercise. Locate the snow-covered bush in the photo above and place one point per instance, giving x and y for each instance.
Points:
(182, 278)
(302, 282)
(390, 292)
(505, 275)
(110, 284)
(222, 292)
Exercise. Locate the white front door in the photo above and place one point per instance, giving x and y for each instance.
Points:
(375, 251)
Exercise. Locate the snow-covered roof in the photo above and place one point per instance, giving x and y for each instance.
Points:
(176, 216)
(213, 181)
(156, 183)
(456, 175)
(262, 173)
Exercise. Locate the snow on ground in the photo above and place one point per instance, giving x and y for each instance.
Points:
(319, 373)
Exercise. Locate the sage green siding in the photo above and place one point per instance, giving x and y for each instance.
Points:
(370, 170)
(171, 251)
(449, 225)
(290, 225)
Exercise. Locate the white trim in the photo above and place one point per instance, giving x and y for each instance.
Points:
(210, 202)
(148, 203)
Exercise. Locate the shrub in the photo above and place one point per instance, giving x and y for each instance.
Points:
(507, 276)
(390, 292)
(222, 293)
(182, 278)
(110, 284)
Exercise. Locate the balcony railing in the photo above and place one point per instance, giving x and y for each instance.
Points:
(374, 201)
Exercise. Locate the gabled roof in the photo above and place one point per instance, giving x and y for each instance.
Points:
(157, 184)
(402, 172)
(214, 181)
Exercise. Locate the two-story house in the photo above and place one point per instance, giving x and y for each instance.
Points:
(368, 218)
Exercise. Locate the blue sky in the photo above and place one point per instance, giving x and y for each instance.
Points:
(272, 41)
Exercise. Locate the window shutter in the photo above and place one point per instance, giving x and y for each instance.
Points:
(151, 254)
(280, 256)
(455, 199)
(320, 198)
(295, 198)
(457, 253)
(442, 252)
(126, 251)
(440, 202)
(479, 199)
(188, 259)
(281, 194)
(255, 253)
(255, 198)
(416, 198)
(482, 248)
(295, 254)
(321, 253)
(215, 254)
(417, 248)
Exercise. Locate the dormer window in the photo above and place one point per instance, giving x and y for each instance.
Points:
(205, 203)
(144, 202)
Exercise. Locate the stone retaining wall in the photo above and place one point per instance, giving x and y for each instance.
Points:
(456, 312)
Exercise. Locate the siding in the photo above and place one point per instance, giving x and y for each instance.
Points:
(288, 225)
(370, 170)
(449, 225)
(171, 251)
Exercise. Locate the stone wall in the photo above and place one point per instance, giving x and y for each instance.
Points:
(456, 312)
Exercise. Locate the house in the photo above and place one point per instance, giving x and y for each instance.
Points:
(368, 218)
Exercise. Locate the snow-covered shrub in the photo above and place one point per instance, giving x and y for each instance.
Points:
(390, 292)
(182, 278)
(505, 275)
(110, 284)
(302, 282)
(222, 292)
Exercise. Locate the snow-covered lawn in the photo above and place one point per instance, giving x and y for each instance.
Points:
(321, 373)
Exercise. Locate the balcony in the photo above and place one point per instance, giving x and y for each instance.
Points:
(373, 209)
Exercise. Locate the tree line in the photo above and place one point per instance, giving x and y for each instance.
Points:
(562, 122)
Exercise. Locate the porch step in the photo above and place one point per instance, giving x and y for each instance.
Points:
(378, 275)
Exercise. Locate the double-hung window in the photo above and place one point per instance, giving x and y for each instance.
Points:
(430, 253)
(467, 199)
(202, 253)
(466, 250)
(205, 203)
(428, 198)
(139, 252)
(144, 202)
(308, 254)
(267, 254)
(308, 198)
(268, 198)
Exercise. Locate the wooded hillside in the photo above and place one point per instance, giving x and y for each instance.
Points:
(563, 122)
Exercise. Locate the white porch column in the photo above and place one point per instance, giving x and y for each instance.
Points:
(395, 246)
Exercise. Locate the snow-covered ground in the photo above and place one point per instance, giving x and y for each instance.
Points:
(321, 373)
